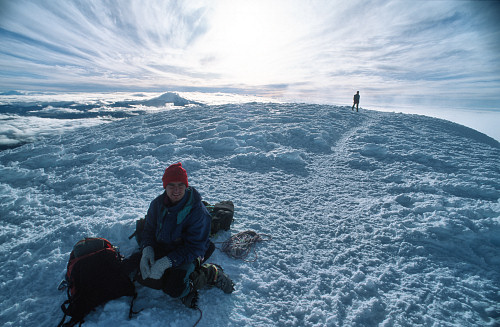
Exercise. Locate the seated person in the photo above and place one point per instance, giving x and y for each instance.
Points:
(175, 242)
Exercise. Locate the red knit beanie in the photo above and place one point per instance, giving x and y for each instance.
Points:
(175, 174)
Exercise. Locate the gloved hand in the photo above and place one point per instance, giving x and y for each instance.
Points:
(159, 267)
(147, 261)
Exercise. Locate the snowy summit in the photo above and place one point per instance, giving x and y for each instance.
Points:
(376, 219)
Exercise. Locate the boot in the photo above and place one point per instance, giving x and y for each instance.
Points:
(219, 278)
(210, 274)
(191, 300)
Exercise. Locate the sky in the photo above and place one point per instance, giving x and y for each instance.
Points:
(436, 53)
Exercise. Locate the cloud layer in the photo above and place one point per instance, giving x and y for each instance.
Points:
(422, 52)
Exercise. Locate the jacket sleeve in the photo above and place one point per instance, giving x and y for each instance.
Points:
(149, 232)
(196, 232)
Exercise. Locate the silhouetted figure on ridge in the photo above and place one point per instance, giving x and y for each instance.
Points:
(356, 101)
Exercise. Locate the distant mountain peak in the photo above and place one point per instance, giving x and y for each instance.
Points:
(169, 97)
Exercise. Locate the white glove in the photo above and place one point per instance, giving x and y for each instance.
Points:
(147, 261)
(159, 267)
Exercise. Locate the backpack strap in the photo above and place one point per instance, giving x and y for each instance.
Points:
(131, 311)
(139, 227)
(70, 323)
(73, 322)
(63, 308)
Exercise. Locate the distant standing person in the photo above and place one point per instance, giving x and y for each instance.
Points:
(356, 101)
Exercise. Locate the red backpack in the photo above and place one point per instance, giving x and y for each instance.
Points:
(94, 276)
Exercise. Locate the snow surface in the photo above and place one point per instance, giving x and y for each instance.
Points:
(377, 219)
(30, 116)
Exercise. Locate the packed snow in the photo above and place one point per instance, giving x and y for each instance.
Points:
(376, 218)
(26, 117)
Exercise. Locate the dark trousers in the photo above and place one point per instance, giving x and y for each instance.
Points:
(177, 281)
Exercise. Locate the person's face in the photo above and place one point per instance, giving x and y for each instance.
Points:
(175, 191)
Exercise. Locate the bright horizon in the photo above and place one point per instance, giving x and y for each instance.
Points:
(435, 53)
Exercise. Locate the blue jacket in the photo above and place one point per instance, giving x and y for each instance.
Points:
(181, 231)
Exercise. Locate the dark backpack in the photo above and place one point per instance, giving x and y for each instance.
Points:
(94, 276)
(222, 216)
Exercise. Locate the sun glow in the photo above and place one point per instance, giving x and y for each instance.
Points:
(248, 40)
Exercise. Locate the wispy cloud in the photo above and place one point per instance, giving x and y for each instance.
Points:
(319, 50)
